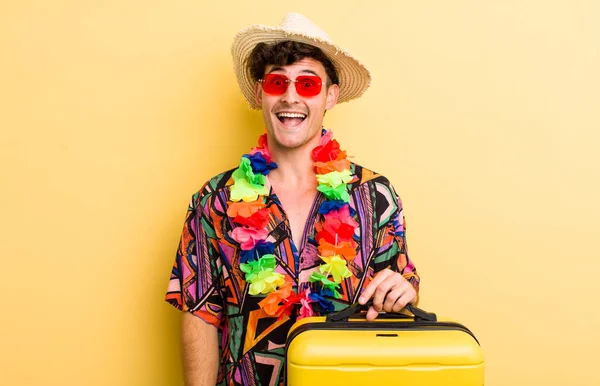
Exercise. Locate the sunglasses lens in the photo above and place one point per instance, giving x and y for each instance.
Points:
(274, 84)
(308, 85)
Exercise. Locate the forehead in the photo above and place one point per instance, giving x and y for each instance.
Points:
(303, 66)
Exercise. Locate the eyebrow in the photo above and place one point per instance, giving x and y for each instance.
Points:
(304, 71)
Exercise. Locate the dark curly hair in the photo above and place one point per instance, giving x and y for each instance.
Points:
(286, 53)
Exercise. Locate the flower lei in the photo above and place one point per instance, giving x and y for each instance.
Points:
(247, 209)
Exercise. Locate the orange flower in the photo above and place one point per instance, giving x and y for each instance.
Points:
(271, 303)
(332, 166)
(244, 209)
(345, 249)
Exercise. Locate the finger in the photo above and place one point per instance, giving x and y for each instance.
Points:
(370, 289)
(372, 286)
(372, 314)
(393, 296)
(409, 295)
(381, 292)
(401, 302)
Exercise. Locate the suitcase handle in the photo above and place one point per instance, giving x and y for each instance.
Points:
(343, 315)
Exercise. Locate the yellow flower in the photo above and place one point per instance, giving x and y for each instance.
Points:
(243, 190)
(266, 281)
(336, 267)
(334, 179)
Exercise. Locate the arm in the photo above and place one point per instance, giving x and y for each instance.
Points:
(200, 351)
(194, 289)
(396, 282)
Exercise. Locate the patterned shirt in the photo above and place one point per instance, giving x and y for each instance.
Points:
(207, 281)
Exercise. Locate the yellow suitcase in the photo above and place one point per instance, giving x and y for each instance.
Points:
(344, 348)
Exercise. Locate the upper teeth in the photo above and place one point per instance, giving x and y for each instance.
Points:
(291, 115)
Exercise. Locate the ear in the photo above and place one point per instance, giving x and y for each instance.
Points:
(258, 93)
(332, 96)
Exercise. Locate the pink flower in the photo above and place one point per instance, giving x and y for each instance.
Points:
(262, 148)
(305, 307)
(341, 215)
(247, 237)
(328, 136)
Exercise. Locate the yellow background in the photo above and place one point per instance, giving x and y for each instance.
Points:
(484, 114)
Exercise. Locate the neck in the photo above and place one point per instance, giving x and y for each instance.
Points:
(295, 164)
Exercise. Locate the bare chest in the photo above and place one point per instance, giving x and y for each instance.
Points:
(297, 204)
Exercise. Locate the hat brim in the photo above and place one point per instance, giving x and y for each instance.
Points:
(354, 78)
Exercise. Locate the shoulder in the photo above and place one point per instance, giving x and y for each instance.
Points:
(212, 187)
(369, 179)
(376, 189)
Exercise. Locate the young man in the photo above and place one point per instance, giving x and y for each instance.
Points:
(296, 230)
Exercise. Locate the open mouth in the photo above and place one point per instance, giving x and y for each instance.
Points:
(291, 119)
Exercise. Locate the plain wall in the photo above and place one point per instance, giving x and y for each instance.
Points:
(483, 114)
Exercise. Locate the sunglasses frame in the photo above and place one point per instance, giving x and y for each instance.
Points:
(299, 90)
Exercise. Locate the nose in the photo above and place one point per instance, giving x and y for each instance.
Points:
(290, 96)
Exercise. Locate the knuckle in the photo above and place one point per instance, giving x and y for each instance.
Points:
(382, 289)
(399, 278)
(377, 303)
(389, 306)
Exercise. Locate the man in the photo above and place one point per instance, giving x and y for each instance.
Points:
(296, 229)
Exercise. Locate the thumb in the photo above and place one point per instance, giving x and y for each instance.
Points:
(372, 314)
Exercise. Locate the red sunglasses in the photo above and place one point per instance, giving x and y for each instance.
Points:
(306, 85)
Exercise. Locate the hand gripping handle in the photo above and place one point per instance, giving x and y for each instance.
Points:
(343, 315)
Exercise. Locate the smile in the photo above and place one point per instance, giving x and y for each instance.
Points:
(291, 119)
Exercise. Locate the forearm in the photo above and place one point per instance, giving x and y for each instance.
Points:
(200, 351)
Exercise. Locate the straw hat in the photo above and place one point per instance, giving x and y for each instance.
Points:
(354, 78)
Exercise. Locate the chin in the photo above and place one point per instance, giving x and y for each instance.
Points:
(296, 137)
(290, 141)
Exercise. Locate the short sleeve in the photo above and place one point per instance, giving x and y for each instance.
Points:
(391, 249)
(194, 283)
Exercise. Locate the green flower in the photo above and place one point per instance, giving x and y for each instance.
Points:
(253, 268)
(338, 193)
(244, 172)
(317, 276)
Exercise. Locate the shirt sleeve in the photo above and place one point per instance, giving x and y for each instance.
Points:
(194, 284)
(390, 248)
